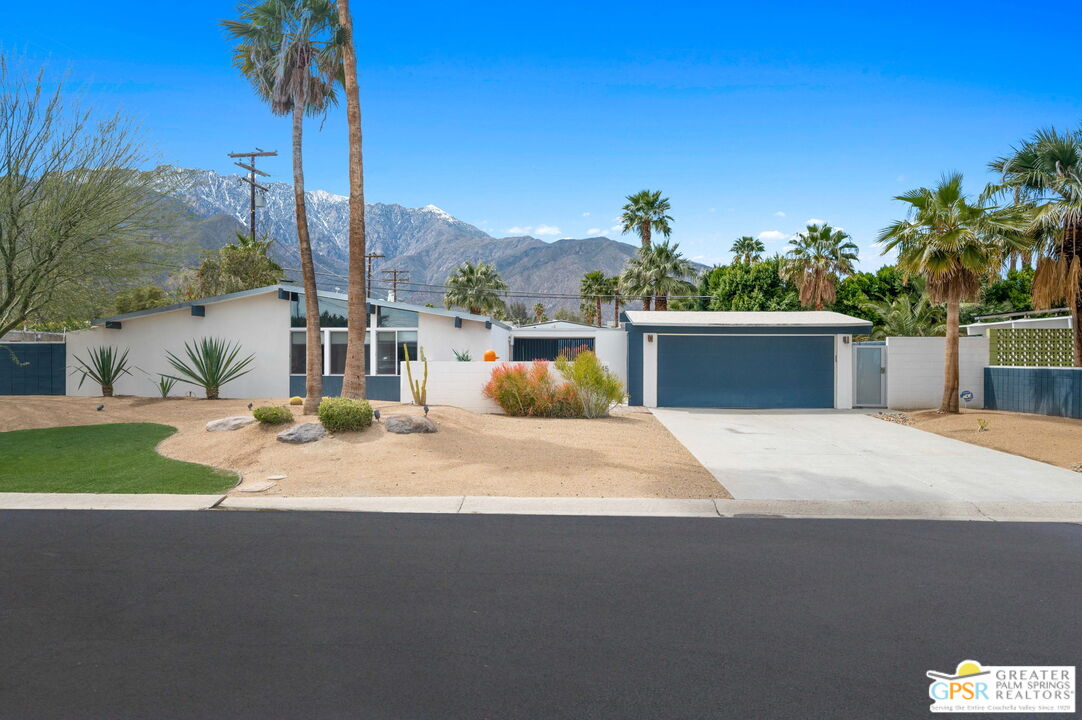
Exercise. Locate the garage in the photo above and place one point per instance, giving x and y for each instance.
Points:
(734, 371)
(752, 360)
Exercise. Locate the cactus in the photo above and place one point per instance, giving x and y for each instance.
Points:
(418, 389)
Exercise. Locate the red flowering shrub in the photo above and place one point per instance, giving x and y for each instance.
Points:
(530, 391)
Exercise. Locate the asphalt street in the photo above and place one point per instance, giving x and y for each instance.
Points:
(221, 614)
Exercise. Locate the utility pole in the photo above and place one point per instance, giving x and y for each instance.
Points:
(368, 276)
(253, 185)
(395, 277)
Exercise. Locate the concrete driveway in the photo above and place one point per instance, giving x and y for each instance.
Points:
(840, 455)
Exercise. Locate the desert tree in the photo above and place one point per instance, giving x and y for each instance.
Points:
(290, 51)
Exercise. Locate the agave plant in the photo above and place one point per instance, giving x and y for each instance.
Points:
(211, 363)
(104, 365)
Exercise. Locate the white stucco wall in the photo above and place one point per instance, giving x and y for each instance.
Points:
(843, 372)
(610, 344)
(440, 338)
(915, 370)
(260, 323)
(455, 383)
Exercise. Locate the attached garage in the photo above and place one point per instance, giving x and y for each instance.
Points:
(741, 359)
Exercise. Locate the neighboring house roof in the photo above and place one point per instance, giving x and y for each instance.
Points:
(560, 325)
(296, 289)
(706, 318)
(980, 328)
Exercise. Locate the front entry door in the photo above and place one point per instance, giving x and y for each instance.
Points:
(870, 376)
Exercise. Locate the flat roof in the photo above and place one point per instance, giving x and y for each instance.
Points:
(300, 290)
(717, 318)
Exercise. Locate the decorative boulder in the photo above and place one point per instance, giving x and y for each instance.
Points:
(303, 433)
(230, 423)
(406, 424)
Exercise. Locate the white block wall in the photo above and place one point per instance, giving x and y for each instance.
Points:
(915, 370)
(260, 323)
(440, 338)
(454, 383)
(610, 344)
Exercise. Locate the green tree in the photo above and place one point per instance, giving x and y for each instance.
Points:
(140, 298)
(657, 272)
(743, 287)
(476, 287)
(747, 250)
(594, 288)
(645, 213)
(518, 313)
(539, 313)
(816, 260)
(1045, 174)
(290, 51)
(906, 316)
(241, 265)
(953, 243)
(78, 220)
(855, 291)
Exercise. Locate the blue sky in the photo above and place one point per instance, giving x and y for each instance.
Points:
(540, 118)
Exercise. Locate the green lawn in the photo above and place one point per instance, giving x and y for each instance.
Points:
(116, 458)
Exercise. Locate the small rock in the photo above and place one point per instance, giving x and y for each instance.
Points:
(303, 433)
(406, 424)
(256, 486)
(276, 477)
(230, 423)
(1077, 467)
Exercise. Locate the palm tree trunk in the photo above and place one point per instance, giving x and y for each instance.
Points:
(661, 302)
(353, 384)
(597, 299)
(644, 234)
(615, 311)
(1072, 255)
(313, 381)
(950, 365)
(646, 302)
(1076, 315)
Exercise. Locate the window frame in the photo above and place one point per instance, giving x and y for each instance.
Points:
(370, 365)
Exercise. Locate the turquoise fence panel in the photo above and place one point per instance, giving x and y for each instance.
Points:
(32, 368)
(1039, 390)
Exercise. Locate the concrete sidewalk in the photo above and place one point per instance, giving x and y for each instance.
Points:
(1070, 512)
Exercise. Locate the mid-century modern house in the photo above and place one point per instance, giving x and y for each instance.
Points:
(269, 323)
(685, 359)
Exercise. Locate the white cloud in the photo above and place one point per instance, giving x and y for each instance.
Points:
(586, 214)
(547, 230)
(772, 235)
(593, 232)
(814, 221)
(519, 230)
(779, 213)
(616, 229)
(713, 209)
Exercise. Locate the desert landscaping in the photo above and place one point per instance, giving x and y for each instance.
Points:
(627, 455)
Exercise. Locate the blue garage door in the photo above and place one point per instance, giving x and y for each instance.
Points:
(733, 371)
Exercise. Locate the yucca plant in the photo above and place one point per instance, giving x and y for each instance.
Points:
(165, 385)
(104, 365)
(212, 362)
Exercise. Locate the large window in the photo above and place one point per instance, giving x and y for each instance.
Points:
(548, 348)
(396, 330)
(332, 313)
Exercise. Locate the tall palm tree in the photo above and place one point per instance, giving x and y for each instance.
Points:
(646, 212)
(289, 50)
(906, 316)
(818, 258)
(353, 384)
(953, 243)
(594, 288)
(615, 292)
(1045, 174)
(747, 250)
(539, 312)
(657, 272)
(476, 287)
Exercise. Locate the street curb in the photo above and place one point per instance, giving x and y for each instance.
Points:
(106, 501)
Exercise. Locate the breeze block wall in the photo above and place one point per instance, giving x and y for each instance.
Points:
(1043, 391)
(1030, 347)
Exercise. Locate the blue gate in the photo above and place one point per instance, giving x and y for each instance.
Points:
(32, 368)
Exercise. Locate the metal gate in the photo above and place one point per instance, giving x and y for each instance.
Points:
(869, 375)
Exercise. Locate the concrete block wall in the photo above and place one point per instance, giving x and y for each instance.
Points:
(915, 370)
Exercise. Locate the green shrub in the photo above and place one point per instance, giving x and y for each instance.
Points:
(103, 365)
(273, 415)
(595, 388)
(340, 414)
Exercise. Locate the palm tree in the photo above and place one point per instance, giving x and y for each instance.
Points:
(657, 272)
(906, 316)
(476, 287)
(819, 256)
(615, 291)
(594, 287)
(539, 312)
(1045, 174)
(353, 384)
(289, 51)
(953, 243)
(646, 212)
(747, 250)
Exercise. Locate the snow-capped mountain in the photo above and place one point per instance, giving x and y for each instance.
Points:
(427, 241)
